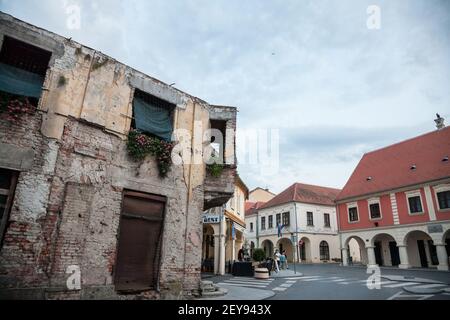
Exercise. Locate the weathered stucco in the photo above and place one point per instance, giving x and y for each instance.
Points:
(68, 198)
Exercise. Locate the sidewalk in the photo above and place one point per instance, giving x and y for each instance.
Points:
(285, 274)
(241, 293)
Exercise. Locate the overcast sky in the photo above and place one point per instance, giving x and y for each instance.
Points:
(334, 88)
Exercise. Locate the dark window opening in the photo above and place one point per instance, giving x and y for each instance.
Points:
(375, 212)
(324, 251)
(286, 219)
(278, 217)
(8, 181)
(353, 214)
(251, 226)
(152, 115)
(263, 223)
(217, 141)
(139, 245)
(310, 219)
(444, 200)
(326, 218)
(22, 70)
(415, 205)
(270, 222)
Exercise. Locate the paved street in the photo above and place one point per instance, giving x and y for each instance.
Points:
(333, 282)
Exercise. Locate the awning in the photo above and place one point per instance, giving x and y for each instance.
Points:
(20, 82)
(234, 218)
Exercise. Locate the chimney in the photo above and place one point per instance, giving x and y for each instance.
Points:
(439, 122)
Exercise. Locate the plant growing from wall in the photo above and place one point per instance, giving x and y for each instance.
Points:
(98, 64)
(139, 145)
(12, 107)
(62, 81)
(215, 168)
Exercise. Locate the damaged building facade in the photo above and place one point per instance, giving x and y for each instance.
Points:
(80, 217)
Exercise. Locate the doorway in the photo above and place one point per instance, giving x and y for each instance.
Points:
(378, 253)
(422, 253)
(395, 254)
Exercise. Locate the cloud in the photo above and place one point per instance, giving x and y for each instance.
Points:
(311, 69)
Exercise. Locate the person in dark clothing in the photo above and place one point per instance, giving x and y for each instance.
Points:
(241, 254)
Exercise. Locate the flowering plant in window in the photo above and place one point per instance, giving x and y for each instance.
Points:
(140, 145)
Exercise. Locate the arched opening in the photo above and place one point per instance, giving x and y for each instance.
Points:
(356, 249)
(208, 248)
(267, 246)
(446, 240)
(386, 250)
(305, 250)
(286, 244)
(324, 250)
(421, 249)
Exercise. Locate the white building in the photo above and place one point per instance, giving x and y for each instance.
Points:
(308, 216)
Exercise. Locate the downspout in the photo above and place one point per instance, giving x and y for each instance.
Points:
(189, 192)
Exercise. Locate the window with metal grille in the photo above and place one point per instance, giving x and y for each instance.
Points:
(353, 214)
(139, 245)
(444, 200)
(324, 251)
(309, 219)
(263, 223)
(22, 70)
(415, 205)
(375, 212)
(286, 219)
(326, 219)
(8, 181)
(270, 222)
(152, 115)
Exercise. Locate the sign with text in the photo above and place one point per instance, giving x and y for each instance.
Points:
(208, 218)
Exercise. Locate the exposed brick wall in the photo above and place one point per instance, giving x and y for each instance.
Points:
(81, 219)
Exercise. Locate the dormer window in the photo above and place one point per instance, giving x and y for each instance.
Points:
(413, 167)
(445, 159)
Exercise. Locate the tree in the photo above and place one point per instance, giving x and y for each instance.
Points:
(259, 255)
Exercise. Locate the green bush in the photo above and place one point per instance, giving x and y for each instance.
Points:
(259, 255)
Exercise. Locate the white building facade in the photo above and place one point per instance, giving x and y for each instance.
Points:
(308, 216)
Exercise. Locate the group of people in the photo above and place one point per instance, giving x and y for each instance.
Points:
(280, 261)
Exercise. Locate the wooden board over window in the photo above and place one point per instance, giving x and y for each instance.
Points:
(8, 181)
(138, 256)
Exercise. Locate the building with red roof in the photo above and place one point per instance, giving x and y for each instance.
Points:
(396, 204)
(300, 220)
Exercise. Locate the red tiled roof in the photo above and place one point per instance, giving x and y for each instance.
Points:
(390, 167)
(305, 193)
(252, 207)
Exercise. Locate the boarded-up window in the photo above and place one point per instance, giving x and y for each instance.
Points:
(138, 256)
(8, 180)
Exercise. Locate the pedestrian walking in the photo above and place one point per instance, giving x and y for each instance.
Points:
(277, 261)
(285, 266)
(282, 261)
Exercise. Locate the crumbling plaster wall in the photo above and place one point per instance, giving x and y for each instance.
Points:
(67, 204)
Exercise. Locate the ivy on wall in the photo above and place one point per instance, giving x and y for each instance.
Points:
(140, 145)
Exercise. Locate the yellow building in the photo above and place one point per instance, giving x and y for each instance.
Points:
(223, 231)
